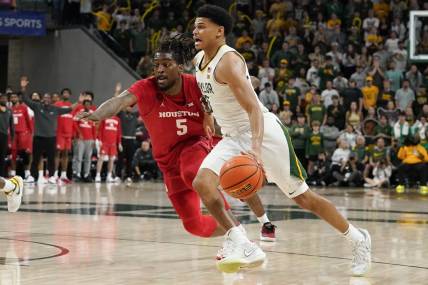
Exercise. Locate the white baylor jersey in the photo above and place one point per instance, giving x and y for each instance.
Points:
(230, 116)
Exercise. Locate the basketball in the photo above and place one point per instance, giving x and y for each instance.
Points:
(241, 177)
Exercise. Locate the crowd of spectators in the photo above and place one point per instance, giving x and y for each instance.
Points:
(336, 73)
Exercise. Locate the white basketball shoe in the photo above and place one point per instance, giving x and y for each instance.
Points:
(237, 256)
(14, 197)
(361, 251)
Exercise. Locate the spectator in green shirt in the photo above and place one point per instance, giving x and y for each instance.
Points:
(383, 129)
(361, 152)
(292, 94)
(298, 134)
(283, 53)
(378, 153)
(314, 145)
(327, 73)
(316, 111)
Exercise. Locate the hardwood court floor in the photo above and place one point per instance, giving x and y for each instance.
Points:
(113, 234)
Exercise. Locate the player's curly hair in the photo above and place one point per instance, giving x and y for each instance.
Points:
(181, 46)
(218, 15)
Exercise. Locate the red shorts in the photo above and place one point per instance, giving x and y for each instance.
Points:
(178, 182)
(63, 143)
(180, 177)
(23, 141)
(109, 149)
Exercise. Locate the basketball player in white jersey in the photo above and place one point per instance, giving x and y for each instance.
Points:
(247, 126)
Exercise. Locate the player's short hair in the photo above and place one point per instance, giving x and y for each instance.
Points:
(65, 90)
(90, 94)
(217, 15)
(181, 46)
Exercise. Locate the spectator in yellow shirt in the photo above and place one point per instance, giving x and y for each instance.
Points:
(372, 38)
(414, 158)
(104, 19)
(370, 94)
(334, 22)
(381, 9)
(244, 38)
(276, 23)
(278, 7)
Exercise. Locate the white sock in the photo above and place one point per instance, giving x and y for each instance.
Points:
(8, 186)
(237, 236)
(241, 227)
(353, 234)
(12, 173)
(56, 173)
(98, 174)
(40, 174)
(27, 173)
(263, 219)
(64, 174)
(109, 175)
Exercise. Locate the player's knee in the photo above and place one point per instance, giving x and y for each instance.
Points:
(199, 183)
(203, 190)
(198, 227)
(305, 201)
(311, 201)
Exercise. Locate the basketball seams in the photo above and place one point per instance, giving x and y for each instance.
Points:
(230, 168)
(251, 175)
(255, 188)
(248, 185)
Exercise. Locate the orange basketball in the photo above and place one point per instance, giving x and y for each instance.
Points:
(241, 177)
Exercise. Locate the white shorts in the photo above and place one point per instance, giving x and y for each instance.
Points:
(280, 163)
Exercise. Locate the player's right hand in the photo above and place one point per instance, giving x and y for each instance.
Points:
(24, 82)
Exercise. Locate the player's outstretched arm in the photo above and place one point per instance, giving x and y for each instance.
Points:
(110, 107)
(231, 71)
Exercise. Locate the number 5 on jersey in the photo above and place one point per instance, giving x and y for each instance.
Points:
(181, 126)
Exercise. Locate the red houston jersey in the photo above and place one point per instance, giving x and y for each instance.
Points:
(86, 130)
(77, 110)
(65, 122)
(172, 121)
(21, 119)
(110, 132)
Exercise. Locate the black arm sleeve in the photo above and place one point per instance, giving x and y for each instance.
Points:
(12, 127)
(62, 111)
(35, 106)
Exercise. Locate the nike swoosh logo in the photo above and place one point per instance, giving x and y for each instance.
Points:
(249, 252)
(291, 193)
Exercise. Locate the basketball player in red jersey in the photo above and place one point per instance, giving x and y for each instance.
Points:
(110, 138)
(64, 136)
(22, 142)
(169, 104)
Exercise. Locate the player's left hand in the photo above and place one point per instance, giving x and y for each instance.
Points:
(120, 147)
(256, 154)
